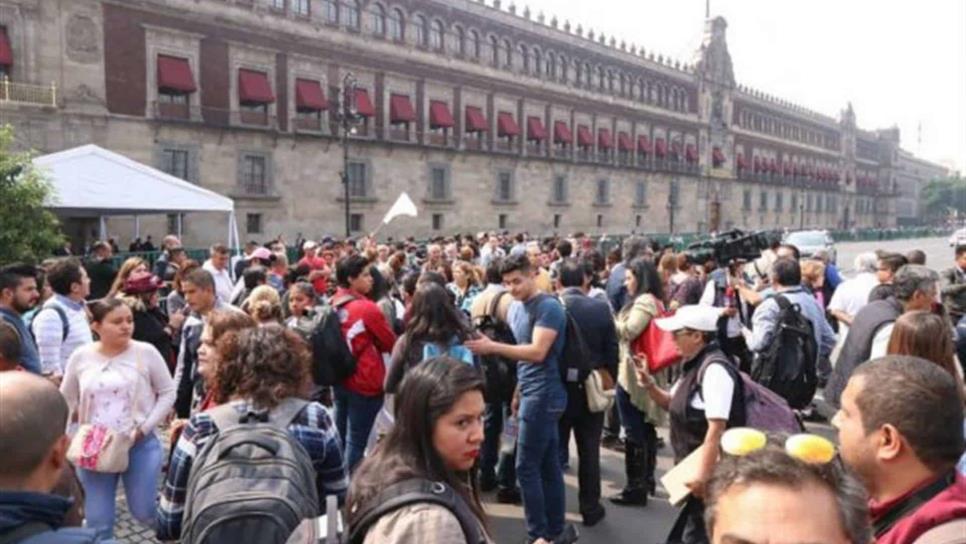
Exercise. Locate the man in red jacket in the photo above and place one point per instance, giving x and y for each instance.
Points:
(900, 428)
(359, 399)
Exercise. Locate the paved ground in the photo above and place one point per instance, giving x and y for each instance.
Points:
(622, 525)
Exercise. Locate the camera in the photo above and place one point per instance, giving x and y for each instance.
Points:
(730, 246)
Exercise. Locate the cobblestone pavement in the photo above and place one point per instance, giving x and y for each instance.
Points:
(637, 525)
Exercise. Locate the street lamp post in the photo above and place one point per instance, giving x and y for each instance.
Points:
(801, 212)
(347, 118)
(671, 204)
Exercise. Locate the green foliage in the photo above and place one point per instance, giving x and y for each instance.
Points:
(28, 231)
(944, 198)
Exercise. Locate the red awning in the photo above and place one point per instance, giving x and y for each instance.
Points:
(6, 53)
(173, 73)
(364, 105)
(773, 166)
(691, 153)
(604, 141)
(535, 130)
(676, 150)
(254, 87)
(624, 142)
(309, 95)
(561, 133)
(584, 137)
(643, 144)
(789, 169)
(505, 124)
(401, 109)
(439, 115)
(742, 162)
(660, 147)
(717, 156)
(475, 120)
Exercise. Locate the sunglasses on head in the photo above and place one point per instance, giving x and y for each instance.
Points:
(808, 448)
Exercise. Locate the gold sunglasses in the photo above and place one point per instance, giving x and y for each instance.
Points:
(808, 448)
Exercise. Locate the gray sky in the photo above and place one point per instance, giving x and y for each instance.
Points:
(900, 62)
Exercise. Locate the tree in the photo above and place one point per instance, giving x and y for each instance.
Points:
(944, 198)
(28, 231)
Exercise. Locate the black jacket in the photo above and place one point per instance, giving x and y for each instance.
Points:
(596, 324)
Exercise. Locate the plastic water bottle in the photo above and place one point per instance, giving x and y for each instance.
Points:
(508, 440)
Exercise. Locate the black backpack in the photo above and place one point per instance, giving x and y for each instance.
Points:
(414, 491)
(499, 373)
(787, 364)
(252, 481)
(576, 362)
(332, 360)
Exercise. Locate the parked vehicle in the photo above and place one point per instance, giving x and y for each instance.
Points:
(810, 241)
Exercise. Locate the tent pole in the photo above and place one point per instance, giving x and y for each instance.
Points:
(103, 228)
(137, 226)
(180, 225)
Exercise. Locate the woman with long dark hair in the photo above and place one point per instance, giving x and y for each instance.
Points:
(437, 438)
(432, 319)
(639, 415)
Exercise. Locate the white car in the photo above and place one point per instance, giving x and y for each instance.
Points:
(810, 241)
(957, 238)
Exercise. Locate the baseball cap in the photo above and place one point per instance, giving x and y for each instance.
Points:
(261, 253)
(309, 244)
(695, 317)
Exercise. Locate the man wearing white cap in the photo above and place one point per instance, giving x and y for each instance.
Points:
(703, 403)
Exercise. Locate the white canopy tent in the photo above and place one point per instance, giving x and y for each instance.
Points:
(90, 181)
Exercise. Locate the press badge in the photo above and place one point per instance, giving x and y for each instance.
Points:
(572, 374)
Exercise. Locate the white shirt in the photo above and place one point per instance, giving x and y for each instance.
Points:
(717, 389)
(223, 284)
(707, 299)
(852, 295)
(48, 328)
(880, 342)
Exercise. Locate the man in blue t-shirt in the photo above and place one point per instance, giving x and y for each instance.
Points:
(18, 294)
(538, 322)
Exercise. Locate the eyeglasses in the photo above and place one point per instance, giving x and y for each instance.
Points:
(808, 448)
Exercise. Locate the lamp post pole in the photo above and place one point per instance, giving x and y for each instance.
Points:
(347, 118)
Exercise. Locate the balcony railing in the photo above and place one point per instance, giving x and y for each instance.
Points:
(28, 93)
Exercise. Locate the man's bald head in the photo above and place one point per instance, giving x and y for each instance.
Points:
(33, 416)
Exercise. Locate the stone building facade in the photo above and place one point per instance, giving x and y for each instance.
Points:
(912, 175)
(488, 117)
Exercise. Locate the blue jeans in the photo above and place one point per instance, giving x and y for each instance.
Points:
(540, 475)
(492, 463)
(636, 427)
(140, 487)
(354, 417)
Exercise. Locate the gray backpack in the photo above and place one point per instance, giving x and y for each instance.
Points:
(252, 481)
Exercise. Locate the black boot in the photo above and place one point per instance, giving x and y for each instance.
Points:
(634, 492)
(650, 461)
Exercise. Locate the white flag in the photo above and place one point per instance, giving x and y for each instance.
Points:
(403, 206)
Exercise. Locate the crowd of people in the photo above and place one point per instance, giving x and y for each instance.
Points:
(472, 360)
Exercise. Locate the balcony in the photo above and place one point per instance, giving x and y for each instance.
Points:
(474, 142)
(172, 111)
(308, 123)
(15, 92)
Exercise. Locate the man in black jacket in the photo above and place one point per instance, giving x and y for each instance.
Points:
(33, 447)
(596, 325)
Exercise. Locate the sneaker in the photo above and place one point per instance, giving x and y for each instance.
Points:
(568, 536)
(613, 443)
(509, 495)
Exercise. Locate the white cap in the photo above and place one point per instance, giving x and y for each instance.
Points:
(309, 244)
(696, 317)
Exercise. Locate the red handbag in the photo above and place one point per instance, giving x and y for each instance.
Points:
(656, 344)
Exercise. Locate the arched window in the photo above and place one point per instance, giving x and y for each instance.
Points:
(642, 90)
(475, 45)
(352, 14)
(378, 20)
(537, 62)
(550, 68)
(588, 76)
(460, 36)
(422, 31)
(579, 73)
(622, 88)
(524, 59)
(508, 51)
(601, 78)
(564, 70)
(331, 8)
(495, 51)
(436, 35)
(397, 25)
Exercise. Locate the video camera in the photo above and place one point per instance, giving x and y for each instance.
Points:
(730, 246)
